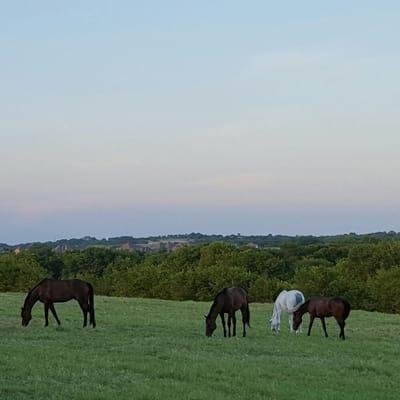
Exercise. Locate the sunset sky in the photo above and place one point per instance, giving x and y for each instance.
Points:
(146, 118)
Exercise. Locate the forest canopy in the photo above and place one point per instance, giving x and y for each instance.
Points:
(366, 272)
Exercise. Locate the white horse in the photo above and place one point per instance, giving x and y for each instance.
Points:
(288, 301)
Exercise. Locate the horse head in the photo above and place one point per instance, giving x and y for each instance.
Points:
(297, 320)
(26, 316)
(211, 325)
(275, 325)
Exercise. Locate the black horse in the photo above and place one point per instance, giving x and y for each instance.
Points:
(321, 307)
(228, 301)
(50, 291)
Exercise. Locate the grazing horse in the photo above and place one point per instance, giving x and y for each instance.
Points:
(228, 301)
(321, 307)
(288, 301)
(49, 291)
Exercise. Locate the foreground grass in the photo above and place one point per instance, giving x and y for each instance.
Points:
(154, 349)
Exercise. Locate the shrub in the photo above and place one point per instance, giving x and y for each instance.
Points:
(385, 289)
(265, 290)
(19, 272)
(316, 281)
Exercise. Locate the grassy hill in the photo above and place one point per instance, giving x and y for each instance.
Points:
(154, 349)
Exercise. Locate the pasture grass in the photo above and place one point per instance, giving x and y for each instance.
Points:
(154, 349)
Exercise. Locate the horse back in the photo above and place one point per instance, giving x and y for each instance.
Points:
(329, 306)
(234, 299)
(62, 290)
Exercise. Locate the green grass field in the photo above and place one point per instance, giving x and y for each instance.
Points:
(154, 349)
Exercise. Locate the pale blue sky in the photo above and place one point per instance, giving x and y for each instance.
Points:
(124, 117)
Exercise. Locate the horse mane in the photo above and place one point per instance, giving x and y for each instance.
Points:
(31, 291)
(303, 308)
(221, 292)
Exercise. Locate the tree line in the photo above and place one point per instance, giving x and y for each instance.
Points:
(366, 273)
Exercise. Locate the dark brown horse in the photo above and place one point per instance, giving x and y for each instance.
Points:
(228, 301)
(50, 291)
(322, 307)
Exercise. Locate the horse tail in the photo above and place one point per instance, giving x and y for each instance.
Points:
(91, 305)
(347, 309)
(247, 314)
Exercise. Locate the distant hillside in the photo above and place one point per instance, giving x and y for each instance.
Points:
(171, 242)
(5, 247)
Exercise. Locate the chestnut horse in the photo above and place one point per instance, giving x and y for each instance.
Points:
(322, 307)
(228, 301)
(49, 291)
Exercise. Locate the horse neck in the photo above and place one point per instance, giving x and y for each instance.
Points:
(276, 313)
(216, 308)
(303, 308)
(31, 299)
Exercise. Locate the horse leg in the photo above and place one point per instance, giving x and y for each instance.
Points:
(234, 324)
(46, 314)
(324, 326)
(311, 324)
(291, 322)
(91, 315)
(278, 318)
(341, 325)
(223, 322)
(342, 328)
(229, 324)
(53, 311)
(85, 309)
(244, 319)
